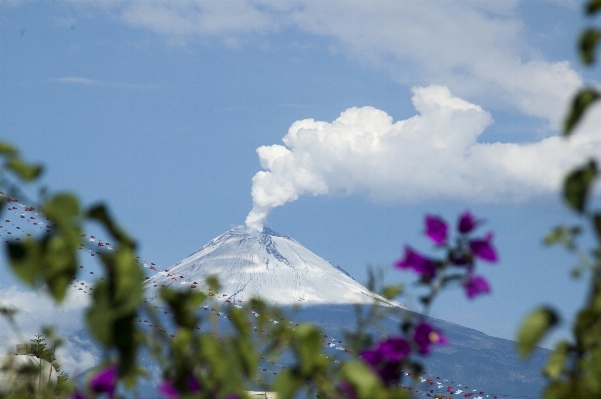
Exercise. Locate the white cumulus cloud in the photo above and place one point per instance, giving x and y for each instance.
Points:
(479, 49)
(432, 155)
(35, 309)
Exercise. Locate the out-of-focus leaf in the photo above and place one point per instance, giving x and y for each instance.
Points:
(309, 350)
(556, 361)
(213, 283)
(392, 291)
(588, 45)
(563, 235)
(593, 6)
(366, 384)
(63, 209)
(183, 305)
(128, 279)
(24, 170)
(534, 328)
(100, 213)
(286, 384)
(6, 148)
(577, 184)
(583, 99)
(99, 316)
(25, 259)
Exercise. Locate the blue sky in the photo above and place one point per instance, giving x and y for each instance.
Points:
(158, 109)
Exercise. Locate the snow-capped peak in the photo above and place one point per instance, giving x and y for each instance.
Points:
(268, 265)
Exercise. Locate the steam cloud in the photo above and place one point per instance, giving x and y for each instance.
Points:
(432, 155)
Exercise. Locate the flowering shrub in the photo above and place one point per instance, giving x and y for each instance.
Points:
(389, 357)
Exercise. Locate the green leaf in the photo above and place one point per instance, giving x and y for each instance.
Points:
(563, 235)
(392, 291)
(366, 384)
(310, 350)
(24, 170)
(6, 148)
(577, 185)
(286, 384)
(184, 306)
(583, 99)
(588, 44)
(534, 328)
(556, 361)
(100, 213)
(593, 6)
(99, 316)
(63, 209)
(25, 259)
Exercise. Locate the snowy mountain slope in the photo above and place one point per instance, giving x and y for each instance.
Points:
(268, 265)
(283, 272)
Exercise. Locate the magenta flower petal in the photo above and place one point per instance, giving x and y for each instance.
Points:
(476, 285)
(385, 358)
(425, 336)
(347, 389)
(105, 381)
(417, 262)
(394, 349)
(467, 222)
(436, 229)
(193, 384)
(168, 390)
(483, 249)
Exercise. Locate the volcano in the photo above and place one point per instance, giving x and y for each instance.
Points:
(266, 265)
(279, 270)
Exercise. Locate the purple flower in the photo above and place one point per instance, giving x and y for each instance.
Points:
(436, 229)
(347, 389)
(78, 395)
(467, 222)
(394, 349)
(420, 264)
(425, 336)
(483, 249)
(476, 285)
(170, 391)
(105, 381)
(386, 358)
(458, 259)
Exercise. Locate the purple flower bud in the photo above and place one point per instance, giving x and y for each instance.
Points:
(476, 285)
(385, 358)
(483, 249)
(419, 263)
(467, 222)
(394, 349)
(425, 336)
(105, 381)
(168, 390)
(458, 259)
(348, 390)
(436, 229)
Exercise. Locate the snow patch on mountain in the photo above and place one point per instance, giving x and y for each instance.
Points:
(268, 265)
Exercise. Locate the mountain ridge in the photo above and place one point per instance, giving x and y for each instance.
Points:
(267, 265)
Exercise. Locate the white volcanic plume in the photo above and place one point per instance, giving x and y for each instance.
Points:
(435, 154)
